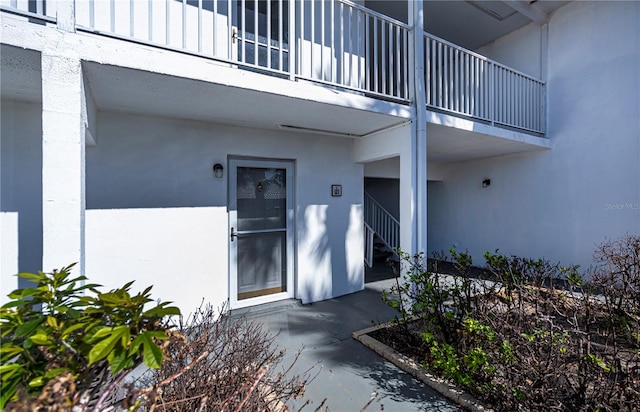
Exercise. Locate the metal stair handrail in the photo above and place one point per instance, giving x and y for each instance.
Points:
(368, 245)
(382, 222)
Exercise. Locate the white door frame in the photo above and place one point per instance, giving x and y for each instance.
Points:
(288, 165)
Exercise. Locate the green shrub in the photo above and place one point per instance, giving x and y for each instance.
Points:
(527, 334)
(62, 328)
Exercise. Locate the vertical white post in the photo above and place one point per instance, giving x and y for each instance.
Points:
(541, 115)
(150, 28)
(167, 23)
(65, 14)
(322, 40)
(413, 157)
(184, 24)
(376, 63)
(199, 26)
(334, 60)
(132, 19)
(269, 35)
(293, 39)
(492, 94)
(383, 62)
(312, 40)
(407, 69)
(256, 33)
(281, 36)
(63, 162)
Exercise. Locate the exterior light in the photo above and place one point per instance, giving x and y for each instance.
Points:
(217, 170)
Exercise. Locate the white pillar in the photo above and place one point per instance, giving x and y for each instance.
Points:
(413, 163)
(63, 162)
(408, 181)
(65, 14)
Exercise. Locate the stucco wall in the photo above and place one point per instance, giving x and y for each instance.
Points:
(155, 212)
(521, 50)
(560, 203)
(21, 191)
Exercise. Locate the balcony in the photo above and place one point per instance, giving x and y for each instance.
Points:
(335, 43)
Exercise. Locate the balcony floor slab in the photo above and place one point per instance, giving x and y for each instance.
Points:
(452, 139)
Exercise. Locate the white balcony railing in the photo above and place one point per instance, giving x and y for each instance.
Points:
(347, 45)
(465, 83)
(38, 9)
(333, 42)
(336, 42)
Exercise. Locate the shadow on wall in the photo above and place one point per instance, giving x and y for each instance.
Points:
(130, 173)
(330, 251)
(314, 254)
(156, 212)
(21, 189)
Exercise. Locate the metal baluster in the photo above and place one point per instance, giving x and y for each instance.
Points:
(268, 33)
(112, 16)
(184, 24)
(167, 22)
(131, 19)
(256, 33)
(323, 23)
(199, 26)
(312, 7)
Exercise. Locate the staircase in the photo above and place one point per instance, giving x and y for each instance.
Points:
(382, 231)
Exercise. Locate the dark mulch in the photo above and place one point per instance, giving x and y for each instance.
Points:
(404, 339)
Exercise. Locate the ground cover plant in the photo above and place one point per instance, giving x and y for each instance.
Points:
(526, 334)
(66, 346)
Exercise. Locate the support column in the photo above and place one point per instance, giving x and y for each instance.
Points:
(408, 206)
(413, 164)
(65, 15)
(63, 162)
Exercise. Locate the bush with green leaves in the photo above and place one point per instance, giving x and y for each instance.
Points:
(442, 301)
(63, 328)
(527, 334)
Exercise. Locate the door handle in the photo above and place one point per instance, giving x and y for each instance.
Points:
(233, 234)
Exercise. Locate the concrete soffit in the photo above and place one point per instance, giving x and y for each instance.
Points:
(529, 9)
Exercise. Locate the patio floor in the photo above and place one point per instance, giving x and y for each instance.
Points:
(349, 373)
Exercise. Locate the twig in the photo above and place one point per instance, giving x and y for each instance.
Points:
(257, 379)
(110, 388)
(175, 375)
(374, 395)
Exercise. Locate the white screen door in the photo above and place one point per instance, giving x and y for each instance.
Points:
(260, 238)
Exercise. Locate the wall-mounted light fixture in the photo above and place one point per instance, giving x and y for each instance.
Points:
(217, 170)
(486, 182)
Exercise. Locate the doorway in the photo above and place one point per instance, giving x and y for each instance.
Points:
(261, 231)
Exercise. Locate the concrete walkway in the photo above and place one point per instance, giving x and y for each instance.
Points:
(349, 373)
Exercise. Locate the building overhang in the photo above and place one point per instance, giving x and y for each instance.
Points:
(280, 104)
(452, 139)
(125, 76)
